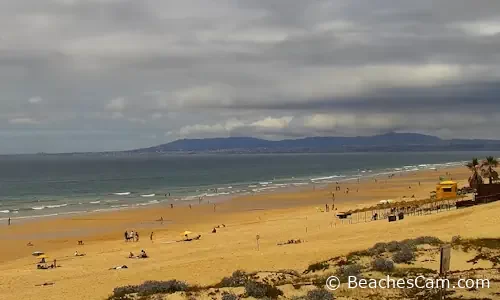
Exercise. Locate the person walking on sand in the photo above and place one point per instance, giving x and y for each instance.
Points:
(214, 207)
(8, 221)
(151, 236)
(136, 236)
(126, 236)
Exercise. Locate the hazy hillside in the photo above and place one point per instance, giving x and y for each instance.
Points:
(384, 142)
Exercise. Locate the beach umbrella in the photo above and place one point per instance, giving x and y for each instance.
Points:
(37, 253)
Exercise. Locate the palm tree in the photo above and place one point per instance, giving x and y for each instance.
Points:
(487, 170)
(475, 179)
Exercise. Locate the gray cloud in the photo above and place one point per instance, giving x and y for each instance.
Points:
(118, 74)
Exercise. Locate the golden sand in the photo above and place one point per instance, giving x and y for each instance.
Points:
(274, 217)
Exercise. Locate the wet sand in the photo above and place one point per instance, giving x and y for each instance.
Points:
(274, 217)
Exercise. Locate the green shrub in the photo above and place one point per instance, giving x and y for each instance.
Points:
(344, 272)
(319, 294)
(394, 246)
(260, 290)
(237, 279)
(229, 296)
(383, 265)
(161, 287)
(319, 266)
(403, 256)
(150, 288)
(378, 248)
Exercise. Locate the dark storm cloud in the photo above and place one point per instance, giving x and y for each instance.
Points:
(155, 70)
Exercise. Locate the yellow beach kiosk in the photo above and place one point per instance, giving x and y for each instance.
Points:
(446, 190)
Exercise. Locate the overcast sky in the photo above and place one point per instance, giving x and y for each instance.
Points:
(92, 75)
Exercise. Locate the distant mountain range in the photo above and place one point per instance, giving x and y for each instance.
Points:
(385, 142)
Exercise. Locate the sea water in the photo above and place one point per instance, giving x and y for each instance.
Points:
(39, 185)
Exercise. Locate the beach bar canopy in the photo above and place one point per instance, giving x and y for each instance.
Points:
(446, 190)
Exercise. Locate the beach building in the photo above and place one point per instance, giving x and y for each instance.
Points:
(446, 190)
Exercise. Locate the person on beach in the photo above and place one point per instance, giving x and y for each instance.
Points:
(131, 235)
(126, 236)
(8, 221)
(171, 205)
(214, 207)
(131, 255)
(189, 206)
(136, 236)
(151, 236)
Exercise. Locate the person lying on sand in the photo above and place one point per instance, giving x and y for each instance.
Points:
(45, 284)
(214, 230)
(119, 267)
(79, 254)
(290, 242)
(131, 255)
(192, 239)
(45, 267)
(143, 254)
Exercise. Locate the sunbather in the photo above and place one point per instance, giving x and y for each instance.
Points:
(79, 254)
(119, 267)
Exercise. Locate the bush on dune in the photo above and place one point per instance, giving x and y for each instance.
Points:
(229, 296)
(150, 288)
(237, 279)
(317, 294)
(260, 290)
(403, 256)
(320, 266)
(344, 272)
(383, 265)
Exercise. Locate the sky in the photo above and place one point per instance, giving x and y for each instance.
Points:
(96, 75)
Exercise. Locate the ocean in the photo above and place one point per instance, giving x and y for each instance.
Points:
(35, 186)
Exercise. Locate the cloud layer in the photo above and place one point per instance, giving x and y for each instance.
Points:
(85, 75)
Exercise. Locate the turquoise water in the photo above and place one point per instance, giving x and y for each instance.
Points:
(33, 186)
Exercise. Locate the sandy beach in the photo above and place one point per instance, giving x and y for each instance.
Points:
(274, 217)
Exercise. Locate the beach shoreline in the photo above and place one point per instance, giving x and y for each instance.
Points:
(275, 217)
(286, 198)
(260, 188)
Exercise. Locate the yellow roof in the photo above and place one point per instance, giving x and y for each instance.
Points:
(448, 182)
